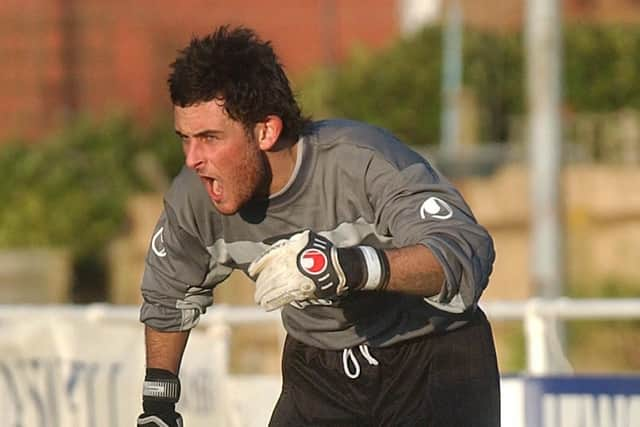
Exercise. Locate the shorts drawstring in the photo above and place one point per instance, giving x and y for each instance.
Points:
(349, 356)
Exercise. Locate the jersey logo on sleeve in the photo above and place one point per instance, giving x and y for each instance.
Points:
(435, 207)
(157, 244)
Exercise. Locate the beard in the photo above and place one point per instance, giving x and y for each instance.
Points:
(249, 180)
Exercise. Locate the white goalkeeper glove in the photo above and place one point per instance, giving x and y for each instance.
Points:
(307, 265)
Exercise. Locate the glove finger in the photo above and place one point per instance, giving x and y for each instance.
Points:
(261, 261)
(277, 298)
(270, 281)
(276, 250)
(276, 303)
(271, 284)
(303, 235)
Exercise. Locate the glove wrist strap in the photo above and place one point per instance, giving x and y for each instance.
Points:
(365, 267)
(160, 391)
(377, 268)
(161, 385)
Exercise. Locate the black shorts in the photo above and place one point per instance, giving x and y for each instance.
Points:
(445, 380)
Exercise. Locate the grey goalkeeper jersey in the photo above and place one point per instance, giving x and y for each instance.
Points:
(354, 184)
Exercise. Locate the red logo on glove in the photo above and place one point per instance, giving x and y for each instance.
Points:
(313, 261)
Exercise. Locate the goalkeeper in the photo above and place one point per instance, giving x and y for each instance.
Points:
(374, 258)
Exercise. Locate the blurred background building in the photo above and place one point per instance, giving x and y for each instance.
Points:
(86, 145)
(64, 57)
(61, 57)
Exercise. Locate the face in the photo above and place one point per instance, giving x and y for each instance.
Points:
(228, 161)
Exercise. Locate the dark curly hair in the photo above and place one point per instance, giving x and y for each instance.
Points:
(244, 71)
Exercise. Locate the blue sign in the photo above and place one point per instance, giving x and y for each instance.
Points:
(582, 401)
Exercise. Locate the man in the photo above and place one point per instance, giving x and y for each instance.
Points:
(373, 256)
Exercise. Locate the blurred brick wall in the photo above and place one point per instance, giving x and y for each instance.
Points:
(61, 56)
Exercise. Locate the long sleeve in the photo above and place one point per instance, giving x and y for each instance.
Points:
(181, 270)
(415, 205)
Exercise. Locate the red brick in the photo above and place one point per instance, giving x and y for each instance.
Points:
(123, 47)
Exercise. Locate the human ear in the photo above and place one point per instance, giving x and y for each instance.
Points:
(268, 132)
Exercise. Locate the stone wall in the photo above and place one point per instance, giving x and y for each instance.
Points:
(602, 225)
(34, 276)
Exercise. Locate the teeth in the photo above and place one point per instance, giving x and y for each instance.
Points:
(216, 187)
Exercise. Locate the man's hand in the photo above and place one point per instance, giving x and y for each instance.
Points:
(160, 393)
(166, 420)
(308, 265)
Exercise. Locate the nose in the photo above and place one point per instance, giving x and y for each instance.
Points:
(192, 154)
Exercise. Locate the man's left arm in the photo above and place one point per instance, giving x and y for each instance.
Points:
(417, 206)
(414, 270)
(442, 252)
(307, 265)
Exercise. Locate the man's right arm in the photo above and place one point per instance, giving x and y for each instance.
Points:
(179, 276)
(161, 389)
(165, 349)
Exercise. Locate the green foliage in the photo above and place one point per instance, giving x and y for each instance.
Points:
(400, 88)
(598, 346)
(397, 89)
(493, 72)
(510, 345)
(163, 146)
(600, 67)
(616, 352)
(608, 287)
(71, 189)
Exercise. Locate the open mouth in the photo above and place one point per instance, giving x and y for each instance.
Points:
(214, 188)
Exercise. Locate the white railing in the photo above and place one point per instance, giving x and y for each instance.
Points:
(544, 352)
(220, 313)
(53, 348)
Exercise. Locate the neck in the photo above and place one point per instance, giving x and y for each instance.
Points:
(282, 163)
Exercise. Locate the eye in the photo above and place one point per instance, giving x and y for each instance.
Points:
(210, 138)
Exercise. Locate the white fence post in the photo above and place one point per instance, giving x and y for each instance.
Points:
(536, 329)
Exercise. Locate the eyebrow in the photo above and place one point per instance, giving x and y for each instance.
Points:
(206, 132)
